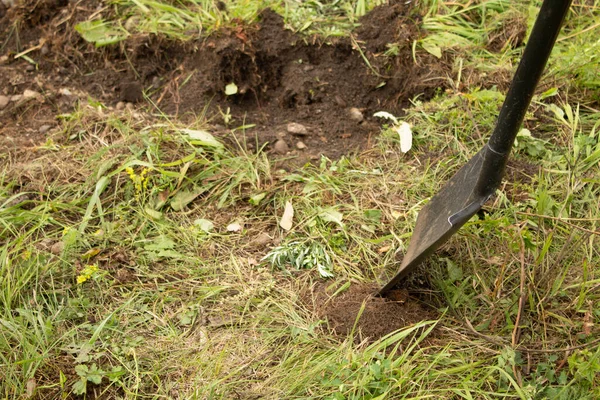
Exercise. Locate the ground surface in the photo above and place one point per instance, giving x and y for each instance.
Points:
(205, 206)
(282, 78)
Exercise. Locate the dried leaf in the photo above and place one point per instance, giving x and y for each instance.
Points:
(90, 253)
(405, 134)
(386, 115)
(231, 89)
(286, 221)
(235, 227)
(204, 225)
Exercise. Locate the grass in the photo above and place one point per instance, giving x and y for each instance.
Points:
(121, 276)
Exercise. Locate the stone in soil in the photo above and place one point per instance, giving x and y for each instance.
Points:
(297, 129)
(355, 114)
(4, 100)
(281, 147)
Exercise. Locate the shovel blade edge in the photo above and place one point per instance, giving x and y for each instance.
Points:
(445, 213)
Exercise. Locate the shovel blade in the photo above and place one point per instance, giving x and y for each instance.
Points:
(446, 212)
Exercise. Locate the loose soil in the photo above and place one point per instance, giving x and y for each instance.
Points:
(379, 317)
(282, 78)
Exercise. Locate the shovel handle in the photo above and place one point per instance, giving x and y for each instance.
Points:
(531, 67)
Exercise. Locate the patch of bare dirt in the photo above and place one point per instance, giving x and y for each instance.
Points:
(380, 316)
(303, 97)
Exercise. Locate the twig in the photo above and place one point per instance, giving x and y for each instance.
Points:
(522, 294)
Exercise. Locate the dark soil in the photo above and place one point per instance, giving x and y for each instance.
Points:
(281, 77)
(380, 316)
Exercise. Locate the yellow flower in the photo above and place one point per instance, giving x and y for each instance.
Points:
(87, 273)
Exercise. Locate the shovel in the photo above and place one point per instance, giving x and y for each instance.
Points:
(471, 187)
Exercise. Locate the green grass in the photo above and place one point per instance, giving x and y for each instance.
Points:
(178, 306)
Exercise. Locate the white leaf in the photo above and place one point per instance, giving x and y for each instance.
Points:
(287, 217)
(235, 227)
(386, 115)
(202, 137)
(405, 134)
(231, 89)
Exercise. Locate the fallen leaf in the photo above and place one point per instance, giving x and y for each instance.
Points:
(202, 138)
(287, 217)
(257, 198)
(235, 227)
(587, 323)
(432, 49)
(231, 89)
(396, 214)
(405, 134)
(90, 253)
(331, 215)
(204, 224)
(386, 115)
(384, 249)
(31, 386)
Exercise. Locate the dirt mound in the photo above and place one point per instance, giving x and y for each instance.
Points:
(327, 90)
(380, 316)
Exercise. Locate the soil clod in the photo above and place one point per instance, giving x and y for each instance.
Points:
(380, 316)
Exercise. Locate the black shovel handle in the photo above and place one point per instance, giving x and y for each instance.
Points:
(530, 69)
(538, 49)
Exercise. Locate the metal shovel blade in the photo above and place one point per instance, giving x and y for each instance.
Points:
(475, 182)
(447, 211)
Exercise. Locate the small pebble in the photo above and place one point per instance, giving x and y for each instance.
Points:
(120, 105)
(16, 97)
(4, 100)
(129, 106)
(300, 146)
(44, 128)
(27, 94)
(281, 147)
(65, 92)
(355, 114)
(4, 59)
(297, 129)
(45, 50)
(57, 248)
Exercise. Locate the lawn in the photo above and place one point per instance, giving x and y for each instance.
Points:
(199, 199)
